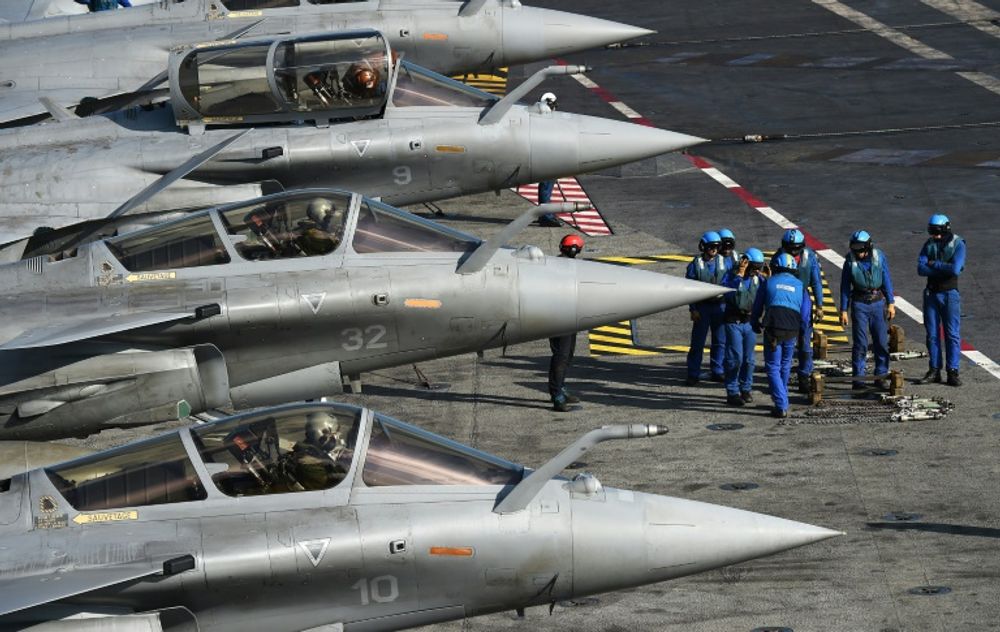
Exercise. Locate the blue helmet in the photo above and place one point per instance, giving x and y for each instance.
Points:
(784, 261)
(725, 233)
(861, 241)
(793, 237)
(710, 238)
(756, 256)
(938, 223)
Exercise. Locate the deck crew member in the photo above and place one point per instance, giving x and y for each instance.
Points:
(808, 271)
(104, 5)
(708, 267)
(781, 304)
(547, 103)
(941, 260)
(746, 279)
(727, 248)
(563, 346)
(866, 290)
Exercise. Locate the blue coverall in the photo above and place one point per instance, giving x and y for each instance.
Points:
(942, 304)
(104, 5)
(740, 337)
(780, 307)
(866, 291)
(710, 318)
(811, 277)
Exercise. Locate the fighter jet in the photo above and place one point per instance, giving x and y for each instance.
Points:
(332, 517)
(73, 58)
(326, 110)
(279, 299)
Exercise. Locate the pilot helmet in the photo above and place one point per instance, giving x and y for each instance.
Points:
(571, 245)
(365, 78)
(549, 99)
(323, 429)
(320, 210)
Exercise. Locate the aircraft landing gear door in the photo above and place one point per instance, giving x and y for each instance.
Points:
(389, 584)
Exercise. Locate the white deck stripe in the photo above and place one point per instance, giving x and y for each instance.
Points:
(980, 359)
(905, 41)
(585, 81)
(967, 10)
(776, 217)
(624, 109)
(721, 178)
(909, 309)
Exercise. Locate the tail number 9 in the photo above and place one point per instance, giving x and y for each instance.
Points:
(356, 339)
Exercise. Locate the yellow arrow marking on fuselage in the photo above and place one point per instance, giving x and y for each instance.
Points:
(106, 516)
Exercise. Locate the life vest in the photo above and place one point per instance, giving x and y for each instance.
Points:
(936, 253)
(733, 260)
(804, 269)
(746, 293)
(704, 274)
(870, 279)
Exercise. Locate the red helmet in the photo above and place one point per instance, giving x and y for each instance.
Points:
(571, 245)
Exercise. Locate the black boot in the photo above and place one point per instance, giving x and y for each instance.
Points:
(747, 397)
(953, 379)
(933, 376)
(734, 400)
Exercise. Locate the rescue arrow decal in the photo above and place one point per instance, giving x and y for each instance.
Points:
(360, 146)
(315, 550)
(315, 301)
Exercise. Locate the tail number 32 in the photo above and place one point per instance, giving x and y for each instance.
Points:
(356, 338)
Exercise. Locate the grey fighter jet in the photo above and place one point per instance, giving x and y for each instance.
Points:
(71, 58)
(331, 517)
(275, 300)
(326, 110)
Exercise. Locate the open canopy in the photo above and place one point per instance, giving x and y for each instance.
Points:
(298, 224)
(300, 448)
(322, 78)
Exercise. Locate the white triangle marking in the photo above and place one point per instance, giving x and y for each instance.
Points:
(315, 301)
(361, 146)
(315, 550)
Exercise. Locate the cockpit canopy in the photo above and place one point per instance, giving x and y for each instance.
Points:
(327, 77)
(297, 224)
(301, 448)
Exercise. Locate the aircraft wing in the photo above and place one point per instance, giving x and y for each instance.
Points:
(21, 593)
(49, 334)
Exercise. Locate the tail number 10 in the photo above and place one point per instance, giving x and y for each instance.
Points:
(382, 589)
(356, 339)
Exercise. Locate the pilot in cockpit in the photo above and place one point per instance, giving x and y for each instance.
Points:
(322, 458)
(322, 232)
(362, 80)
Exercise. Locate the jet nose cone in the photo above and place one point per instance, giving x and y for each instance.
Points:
(609, 293)
(531, 33)
(568, 144)
(659, 538)
(700, 536)
(605, 143)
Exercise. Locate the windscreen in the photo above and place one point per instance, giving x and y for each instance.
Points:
(382, 228)
(153, 472)
(300, 450)
(288, 228)
(419, 86)
(329, 74)
(186, 243)
(400, 454)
